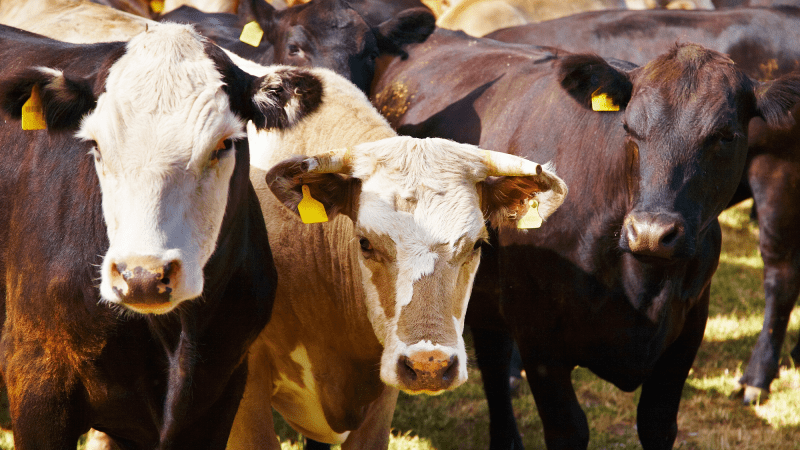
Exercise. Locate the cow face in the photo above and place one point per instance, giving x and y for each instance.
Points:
(418, 209)
(685, 121)
(162, 133)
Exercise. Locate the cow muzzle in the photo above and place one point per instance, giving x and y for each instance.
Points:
(660, 235)
(145, 284)
(428, 371)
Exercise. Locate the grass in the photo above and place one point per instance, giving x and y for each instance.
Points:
(711, 415)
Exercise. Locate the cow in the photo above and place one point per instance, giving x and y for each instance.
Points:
(618, 281)
(320, 33)
(373, 301)
(134, 260)
(748, 36)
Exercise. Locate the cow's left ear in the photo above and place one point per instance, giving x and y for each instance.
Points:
(506, 199)
(407, 27)
(584, 76)
(338, 193)
(775, 99)
(278, 99)
(64, 100)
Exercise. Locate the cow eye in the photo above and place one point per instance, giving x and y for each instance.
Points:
(98, 158)
(222, 149)
(294, 50)
(366, 247)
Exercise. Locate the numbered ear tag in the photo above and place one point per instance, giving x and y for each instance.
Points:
(531, 219)
(157, 6)
(602, 102)
(311, 211)
(32, 113)
(252, 34)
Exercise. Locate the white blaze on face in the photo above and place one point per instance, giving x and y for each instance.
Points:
(157, 129)
(419, 211)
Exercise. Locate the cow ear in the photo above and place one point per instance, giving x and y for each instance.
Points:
(337, 193)
(407, 27)
(505, 200)
(585, 75)
(64, 100)
(775, 99)
(258, 10)
(284, 97)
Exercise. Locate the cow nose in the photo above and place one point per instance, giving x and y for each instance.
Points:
(655, 234)
(144, 283)
(431, 371)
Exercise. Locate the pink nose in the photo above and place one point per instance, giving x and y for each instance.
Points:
(144, 282)
(427, 370)
(655, 234)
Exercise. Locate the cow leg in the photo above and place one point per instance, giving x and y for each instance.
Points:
(493, 352)
(374, 431)
(565, 424)
(657, 413)
(775, 189)
(253, 427)
(41, 415)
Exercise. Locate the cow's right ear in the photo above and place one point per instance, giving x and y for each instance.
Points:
(586, 75)
(64, 100)
(338, 193)
(258, 10)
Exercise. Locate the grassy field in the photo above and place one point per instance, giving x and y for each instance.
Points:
(711, 416)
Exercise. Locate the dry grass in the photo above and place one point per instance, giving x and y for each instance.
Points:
(711, 417)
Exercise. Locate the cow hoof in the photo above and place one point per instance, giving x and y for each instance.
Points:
(754, 395)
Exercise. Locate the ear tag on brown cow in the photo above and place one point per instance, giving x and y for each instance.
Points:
(311, 210)
(252, 34)
(531, 219)
(32, 113)
(157, 6)
(602, 102)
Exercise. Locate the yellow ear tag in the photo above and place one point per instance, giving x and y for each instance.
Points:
(252, 34)
(531, 219)
(32, 114)
(157, 6)
(311, 211)
(602, 102)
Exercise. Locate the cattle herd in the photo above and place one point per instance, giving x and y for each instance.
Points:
(197, 228)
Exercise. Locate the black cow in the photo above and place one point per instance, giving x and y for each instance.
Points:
(134, 260)
(320, 33)
(748, 35)
(618, 280)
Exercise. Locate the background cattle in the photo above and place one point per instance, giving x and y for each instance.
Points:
(374, 300)
(135, 264)
(772, 176)
(618, 281)
(320, 33)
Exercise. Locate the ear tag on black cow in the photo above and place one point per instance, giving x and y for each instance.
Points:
(311, 210)
(531, 219)
(157, 6)
(32, 113)
(602, 102)
(252, 34)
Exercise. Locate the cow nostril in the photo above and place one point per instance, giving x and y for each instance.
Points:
(406, 369)
(170, 271)
(451, 371)
(670, 237)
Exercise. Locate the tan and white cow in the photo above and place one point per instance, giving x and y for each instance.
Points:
(374, 300)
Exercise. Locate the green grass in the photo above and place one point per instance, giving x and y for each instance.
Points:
(711, 415)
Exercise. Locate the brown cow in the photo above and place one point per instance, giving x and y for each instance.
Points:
(619, 279)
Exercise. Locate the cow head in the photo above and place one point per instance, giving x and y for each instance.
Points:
(419, 208)
(161, 121)
(685, 116)
(331, 34)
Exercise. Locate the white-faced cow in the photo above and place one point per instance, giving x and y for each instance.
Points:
(134, 261)
(621, 284)
(374, 300)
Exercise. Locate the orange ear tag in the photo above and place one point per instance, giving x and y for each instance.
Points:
(602, 102)
(311, 211)
(252, 34)
(32, 113)
(531, 219)
(157, 6)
